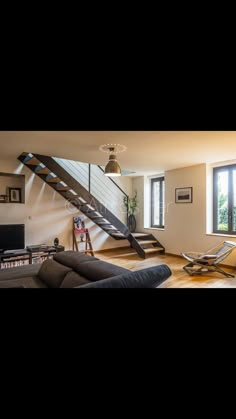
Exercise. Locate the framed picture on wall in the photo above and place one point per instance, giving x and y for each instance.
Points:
(183, 195)
(14, 194)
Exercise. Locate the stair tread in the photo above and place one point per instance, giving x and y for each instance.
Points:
(74, 195)
(53, 180)
(63, 188)
(43, 171)
(153, 249)
(140, 234)
(147, 241)
(105, 223)
(33, 161)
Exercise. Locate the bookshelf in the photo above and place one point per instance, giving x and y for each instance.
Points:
(13, 260)
(27, 257)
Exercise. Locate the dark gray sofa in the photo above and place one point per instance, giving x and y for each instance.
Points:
(71, 269)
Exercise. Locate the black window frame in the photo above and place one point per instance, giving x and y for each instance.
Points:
(216, 170)
(161, 180)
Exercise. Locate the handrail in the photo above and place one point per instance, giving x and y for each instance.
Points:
(113, 182)
(127, 196)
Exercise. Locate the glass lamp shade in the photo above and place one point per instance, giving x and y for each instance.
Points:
(112, 168)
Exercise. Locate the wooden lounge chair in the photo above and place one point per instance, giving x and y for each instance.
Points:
(200, 263)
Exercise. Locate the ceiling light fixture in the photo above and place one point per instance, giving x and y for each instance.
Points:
(112, 168)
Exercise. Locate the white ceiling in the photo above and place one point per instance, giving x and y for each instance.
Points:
(148, 152)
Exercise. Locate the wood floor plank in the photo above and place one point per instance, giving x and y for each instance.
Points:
(129, 259)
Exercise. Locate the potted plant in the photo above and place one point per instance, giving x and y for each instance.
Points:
(131, 205)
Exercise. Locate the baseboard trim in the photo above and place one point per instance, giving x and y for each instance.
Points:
(173, 254)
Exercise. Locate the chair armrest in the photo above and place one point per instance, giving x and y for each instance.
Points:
(208, 257)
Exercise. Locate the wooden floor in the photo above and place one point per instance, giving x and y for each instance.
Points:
(129, 259)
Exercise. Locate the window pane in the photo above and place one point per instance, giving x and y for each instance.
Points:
(222, 201)
(234, 200)
(156, 203)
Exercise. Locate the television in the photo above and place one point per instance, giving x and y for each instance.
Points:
(12, 237)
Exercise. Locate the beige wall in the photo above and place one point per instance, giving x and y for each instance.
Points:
(46, 214)
(185, 225)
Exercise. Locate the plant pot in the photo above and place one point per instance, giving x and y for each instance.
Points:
(131, 223)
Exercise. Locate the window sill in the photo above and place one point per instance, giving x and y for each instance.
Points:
(221, 235)
(154, 228)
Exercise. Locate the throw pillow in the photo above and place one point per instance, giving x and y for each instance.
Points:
(72, 280)
(73, 259)
(99, 270)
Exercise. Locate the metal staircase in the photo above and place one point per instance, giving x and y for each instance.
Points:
(69, 187)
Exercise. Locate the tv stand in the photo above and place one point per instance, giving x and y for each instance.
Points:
(13, 252)
(25, 257)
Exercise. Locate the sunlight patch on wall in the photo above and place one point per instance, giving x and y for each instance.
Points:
(19, 169)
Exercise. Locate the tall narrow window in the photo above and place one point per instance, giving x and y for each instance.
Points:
(157, 202)
(224, 199)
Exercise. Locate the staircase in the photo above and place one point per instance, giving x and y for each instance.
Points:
(69, 186)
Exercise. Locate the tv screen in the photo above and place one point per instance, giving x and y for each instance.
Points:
(12, 236)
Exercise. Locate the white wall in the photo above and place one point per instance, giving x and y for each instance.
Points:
(185, 224)
(46, 214)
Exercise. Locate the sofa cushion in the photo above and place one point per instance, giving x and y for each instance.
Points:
(72, 279)
(145, 278)
(10, 284)
(27, 282)
(19, 272)
(73, 259)
(52, 273)
(99, 270)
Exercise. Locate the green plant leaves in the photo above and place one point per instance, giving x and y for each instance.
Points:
(131, 203)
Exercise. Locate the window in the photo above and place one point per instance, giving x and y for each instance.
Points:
(157, 202)
(224, 199)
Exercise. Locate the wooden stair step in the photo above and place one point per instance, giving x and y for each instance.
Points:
(32, 161)
(140, 234)
(153, 249)
(82, 200)
(76, 198)
(146, 242)
(73, 195)
(53, 180)
(96, 216)
(108, 229)
(118, 234)
(63, 188)
(42, 171)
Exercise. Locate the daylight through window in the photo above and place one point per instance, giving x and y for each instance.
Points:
(224, 199)
(157, 202)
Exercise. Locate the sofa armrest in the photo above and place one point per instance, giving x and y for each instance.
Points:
(145, 278)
